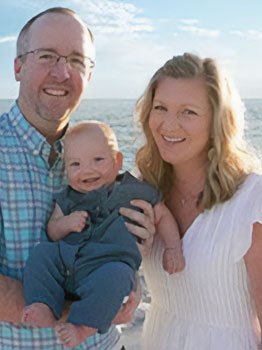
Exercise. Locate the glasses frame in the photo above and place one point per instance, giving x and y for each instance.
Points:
(91, 66)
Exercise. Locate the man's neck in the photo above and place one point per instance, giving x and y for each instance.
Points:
(51, 130)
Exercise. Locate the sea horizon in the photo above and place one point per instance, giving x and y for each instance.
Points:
(118, 113)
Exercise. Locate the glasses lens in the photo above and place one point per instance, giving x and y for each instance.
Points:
(80, 63)
(49, 58)
(45, 57)
(77, 62)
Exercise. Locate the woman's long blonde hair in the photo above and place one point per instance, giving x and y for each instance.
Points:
(229, 159)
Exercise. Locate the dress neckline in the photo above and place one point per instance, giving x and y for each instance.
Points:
(193, 224)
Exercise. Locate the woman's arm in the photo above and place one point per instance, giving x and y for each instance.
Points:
(145, 229)
(253, 260)
(127, 311)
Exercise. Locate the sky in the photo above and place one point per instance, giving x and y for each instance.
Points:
(134, 38)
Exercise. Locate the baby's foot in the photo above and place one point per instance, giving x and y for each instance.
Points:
(38, 315)
(70, 335)
(173, 260)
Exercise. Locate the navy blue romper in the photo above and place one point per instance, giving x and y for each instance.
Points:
(98, 265)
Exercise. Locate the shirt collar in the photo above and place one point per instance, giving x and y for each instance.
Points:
(32, 139)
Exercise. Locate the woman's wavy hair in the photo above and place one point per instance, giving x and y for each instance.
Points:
(230, 161)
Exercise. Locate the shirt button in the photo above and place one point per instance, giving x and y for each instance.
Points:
(35, 152)
(25, 137)
(51, 175)
(14, 123)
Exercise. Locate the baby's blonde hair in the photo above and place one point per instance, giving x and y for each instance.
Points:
(88, 126)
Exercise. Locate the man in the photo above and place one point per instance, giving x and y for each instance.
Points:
(54, 62)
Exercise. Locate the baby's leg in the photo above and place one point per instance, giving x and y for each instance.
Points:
(38, 315)
(43, 280)
(102, 294)
(173, 259)
(70, 335)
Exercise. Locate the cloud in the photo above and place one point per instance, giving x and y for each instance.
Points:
(108, 16)
(189, 21)
(7, 39)
(192, 25)
(249, 34)
(200, 31)
(102, 16)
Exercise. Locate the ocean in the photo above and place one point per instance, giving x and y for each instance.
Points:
(118, 113)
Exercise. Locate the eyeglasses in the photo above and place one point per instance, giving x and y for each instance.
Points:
(49, 58)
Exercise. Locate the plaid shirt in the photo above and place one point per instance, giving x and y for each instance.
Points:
(27, 185)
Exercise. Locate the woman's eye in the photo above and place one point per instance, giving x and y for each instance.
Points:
(159, 108)
(189, 112)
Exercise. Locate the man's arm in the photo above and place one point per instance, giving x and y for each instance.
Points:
(11, 292)
(11, 299)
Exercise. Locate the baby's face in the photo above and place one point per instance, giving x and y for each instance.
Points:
(90, 162)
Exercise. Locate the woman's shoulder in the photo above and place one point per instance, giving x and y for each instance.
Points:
(245, 211)
(248, 198)
(252, 183)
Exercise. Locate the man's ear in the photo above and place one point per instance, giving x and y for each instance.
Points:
(17, 68)
(119, 160)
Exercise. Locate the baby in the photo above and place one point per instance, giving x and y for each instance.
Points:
(92, 255)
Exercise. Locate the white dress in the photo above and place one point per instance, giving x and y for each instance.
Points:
(207, 306)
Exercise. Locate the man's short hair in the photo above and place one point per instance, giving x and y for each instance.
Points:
(22, 40)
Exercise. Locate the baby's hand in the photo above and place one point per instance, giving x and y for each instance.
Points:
(77, 221)
(173, 260)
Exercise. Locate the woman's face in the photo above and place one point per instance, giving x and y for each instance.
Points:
(180, 121)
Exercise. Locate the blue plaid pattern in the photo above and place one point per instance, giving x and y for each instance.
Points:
(27, 186)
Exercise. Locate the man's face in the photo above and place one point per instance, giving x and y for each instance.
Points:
(49, 94)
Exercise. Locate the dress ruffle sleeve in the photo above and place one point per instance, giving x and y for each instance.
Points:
(247, 211)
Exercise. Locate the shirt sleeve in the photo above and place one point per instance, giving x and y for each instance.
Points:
(248, 211)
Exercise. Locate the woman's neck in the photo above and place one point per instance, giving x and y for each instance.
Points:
(184, 195)
(190, 181)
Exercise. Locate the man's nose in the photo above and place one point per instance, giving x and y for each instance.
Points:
(60, 70)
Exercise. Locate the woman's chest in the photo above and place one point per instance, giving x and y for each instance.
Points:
(185, 215)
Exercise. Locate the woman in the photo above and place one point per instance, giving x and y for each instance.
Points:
(194, 152)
